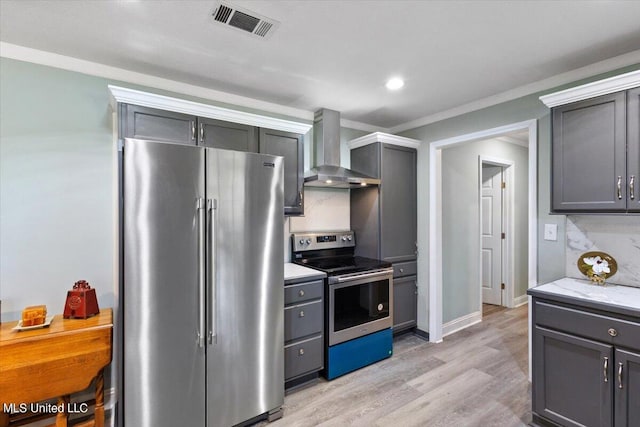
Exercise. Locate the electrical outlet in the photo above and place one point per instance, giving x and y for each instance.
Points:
(551, 232)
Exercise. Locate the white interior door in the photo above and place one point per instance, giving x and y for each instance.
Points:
(491, 205)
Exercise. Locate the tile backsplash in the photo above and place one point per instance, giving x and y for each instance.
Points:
(325, 209)
(618, 236)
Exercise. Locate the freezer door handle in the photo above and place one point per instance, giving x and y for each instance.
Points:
(201, 272)
(212, 207)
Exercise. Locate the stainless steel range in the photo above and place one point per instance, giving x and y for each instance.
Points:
(358, 300)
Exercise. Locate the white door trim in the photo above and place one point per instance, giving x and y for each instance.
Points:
(508, 203)
(435, 213)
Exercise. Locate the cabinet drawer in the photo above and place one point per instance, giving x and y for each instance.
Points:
(589, 325)
(294, 294)
(302, 320)
(401, 269)
(303, 357)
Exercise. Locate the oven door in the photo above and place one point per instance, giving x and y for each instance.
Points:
(359, 305)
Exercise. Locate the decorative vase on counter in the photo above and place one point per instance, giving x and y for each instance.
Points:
(597, 266)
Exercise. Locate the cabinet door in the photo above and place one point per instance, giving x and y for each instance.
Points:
(633, 149)
(627, 388)
(398, 203)
(405, 302)
(572, 379)
(288, 145)
(227, 135)
(158, 125)
(589, 155)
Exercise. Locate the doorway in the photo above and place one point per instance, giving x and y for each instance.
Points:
(491, 231)
(496, 257)
(435, 235)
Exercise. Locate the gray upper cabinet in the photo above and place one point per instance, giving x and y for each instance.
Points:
(160, 125)
(589, 155)
(633, 149)
(596, 154)
(398, 205)
(385, 218)
(226, 135)
(288, 145)
(150, 123)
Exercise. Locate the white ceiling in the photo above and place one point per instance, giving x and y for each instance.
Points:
(338, 54)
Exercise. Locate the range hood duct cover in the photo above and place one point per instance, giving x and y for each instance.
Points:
(326, 143)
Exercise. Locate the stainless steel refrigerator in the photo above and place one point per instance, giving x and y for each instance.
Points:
(202, 285)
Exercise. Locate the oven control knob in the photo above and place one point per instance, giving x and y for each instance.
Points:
(349, 238)
(302, 241)
(344, 238)
(308, 242)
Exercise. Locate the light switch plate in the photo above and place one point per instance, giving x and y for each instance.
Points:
(551, 232)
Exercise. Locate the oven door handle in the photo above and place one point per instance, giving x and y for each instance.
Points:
(379, 273)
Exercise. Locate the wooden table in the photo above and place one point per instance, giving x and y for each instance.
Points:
(54, 362)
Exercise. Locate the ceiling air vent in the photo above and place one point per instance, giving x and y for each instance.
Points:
(244, 20)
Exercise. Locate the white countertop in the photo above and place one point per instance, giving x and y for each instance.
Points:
(623, 296)
(296, 272)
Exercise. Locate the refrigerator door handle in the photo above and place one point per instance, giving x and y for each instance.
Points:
(201, 272)
(212, 206)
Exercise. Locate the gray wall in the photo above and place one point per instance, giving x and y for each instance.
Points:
(460, 226)
(56, 196)
(551, 255)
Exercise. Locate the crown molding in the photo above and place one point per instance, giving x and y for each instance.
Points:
(385, 138)
(593, 89)
(124, 95)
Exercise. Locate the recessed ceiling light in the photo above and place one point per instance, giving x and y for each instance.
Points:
(395, 83)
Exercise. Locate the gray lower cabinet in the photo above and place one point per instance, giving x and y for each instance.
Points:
(405, 303)
(303, 326)
(288, 145)
(596, 154)
(385, 220)
(150, 123)
(586, 366)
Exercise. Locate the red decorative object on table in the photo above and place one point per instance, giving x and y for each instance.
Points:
(81, 301)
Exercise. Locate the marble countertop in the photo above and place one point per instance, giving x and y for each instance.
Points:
(295, 273)
(625, 297)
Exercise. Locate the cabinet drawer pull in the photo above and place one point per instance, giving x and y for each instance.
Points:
(193, 130)
(201, 132)
(301, 293)
(620, 374)
(632, 185)
(612, 332)
(619, 187)
(301, 352)
(605, 369)
(300, 198)
(301, 313)
(402, 270)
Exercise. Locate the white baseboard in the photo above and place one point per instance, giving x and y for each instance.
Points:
(461, 323)
(521, 300)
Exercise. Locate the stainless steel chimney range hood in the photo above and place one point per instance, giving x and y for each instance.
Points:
(326, 142)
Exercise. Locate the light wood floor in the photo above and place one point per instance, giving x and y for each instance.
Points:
(476, 377)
